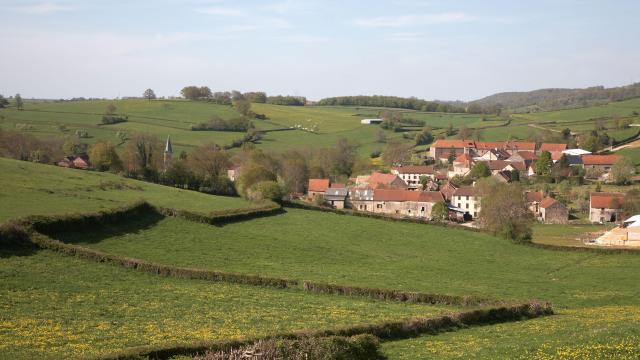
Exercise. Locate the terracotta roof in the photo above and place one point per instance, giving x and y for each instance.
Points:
(556, 155)
(464, 191)
(553, 147)
(517, 165)
(600, 159)
(600, 200)
(319, 185)
(527, 155)
(546, 202)
(454, 144)
(488, 145)
(447, 190)
(534, 196)
(337, 186)
(520, 145)
(497, 164)
(414, 169)
(407, 195)
(376, 179)
(463, 158)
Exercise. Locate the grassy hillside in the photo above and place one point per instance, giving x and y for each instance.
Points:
(34, 189)
(590, 290)
(55, 306)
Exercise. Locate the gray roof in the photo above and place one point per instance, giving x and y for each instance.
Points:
(362, 194)
(336, 194)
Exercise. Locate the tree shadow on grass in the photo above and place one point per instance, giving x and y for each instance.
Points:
(15, 242)
(104, 231)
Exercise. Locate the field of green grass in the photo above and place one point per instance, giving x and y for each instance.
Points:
(55, 306)
(591, 292)
(34, 189)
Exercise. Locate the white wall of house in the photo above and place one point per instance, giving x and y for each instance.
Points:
(468, 203)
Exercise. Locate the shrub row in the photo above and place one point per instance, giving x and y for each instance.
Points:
(391, 330)
(397, 295)
(599, 250)
(46, 242)
(225, 216)
(360, 347)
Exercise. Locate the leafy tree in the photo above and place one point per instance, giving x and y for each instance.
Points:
(242, 106)
(450, 131)
(464, 133)
(396, 153)
(178, 174)
(424, 181)
(622, 171)
(439, 211)
(424, 137)
(544, 163)
(208, 161)
(149, 94)
(504, 211)
(480, 170)
(191, 92)
(515, 175)
(256, 97)
(598, 187)
(566, 134)
(343, 157)
(3, 102)
(143, 156)
(294, 171)
(253, 172)
(110, 109)
(451, 158)
(103, 157)
(19, 102)
(631, 204)
(381, 137)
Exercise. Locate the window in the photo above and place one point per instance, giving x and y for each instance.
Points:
(379, 206)
(467, 198)
(467, 206)
(459, 205)
(422, 209)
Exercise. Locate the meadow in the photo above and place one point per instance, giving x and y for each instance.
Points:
(33, 189)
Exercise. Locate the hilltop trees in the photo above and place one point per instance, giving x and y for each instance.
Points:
(195, 93)
(256, 97)
(19, 102)
(391, 102)
(287, 100)
(149, 94)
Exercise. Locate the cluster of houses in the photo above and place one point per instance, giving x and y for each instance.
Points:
(502, 157)
(398, 194)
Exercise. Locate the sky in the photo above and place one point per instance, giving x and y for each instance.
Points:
(435, 50)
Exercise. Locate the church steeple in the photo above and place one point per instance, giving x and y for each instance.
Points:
(168, 153)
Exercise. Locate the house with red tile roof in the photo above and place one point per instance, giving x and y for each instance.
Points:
(401, 202)
(446, 146)
(605, 207)
(75, 162)
(596, 165)
(534, 198)
(462, 165)
(317, 187)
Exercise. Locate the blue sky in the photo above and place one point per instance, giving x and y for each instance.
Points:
(456, 49)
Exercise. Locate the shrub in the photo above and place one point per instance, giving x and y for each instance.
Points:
(265, 190)
(114, 119)
(216, 123)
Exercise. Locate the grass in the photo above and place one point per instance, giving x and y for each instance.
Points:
(596, 294)
(54, 306)
(34, 189)
(564, 235)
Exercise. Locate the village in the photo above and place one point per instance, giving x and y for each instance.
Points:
(413, 191)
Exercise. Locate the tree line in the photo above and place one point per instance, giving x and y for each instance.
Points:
(204, 93)
(392, 102)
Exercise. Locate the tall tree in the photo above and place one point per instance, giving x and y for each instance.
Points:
(19, 102)
(143, 155)
(110, 109)
(480, 170)
(622, 171)
(242, 106)
(504, 210)
(208, 161)
(464, 133)
(396, 153)
(3, 102)
(103, 157)
(544, 163)
(149, 94)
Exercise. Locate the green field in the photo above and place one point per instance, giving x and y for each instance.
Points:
(34, 189)
(55, 306)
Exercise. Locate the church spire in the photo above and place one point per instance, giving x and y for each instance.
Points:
(167, 148)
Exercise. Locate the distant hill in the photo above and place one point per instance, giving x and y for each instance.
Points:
(556, 99)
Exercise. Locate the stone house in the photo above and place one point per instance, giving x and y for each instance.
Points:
(360, 198)
(553, 212)
(336, 196)
(534, 198)
(379, 180)
(601, 163)
(75, 162)
(317, 187)
(407, 203)
(605, 207)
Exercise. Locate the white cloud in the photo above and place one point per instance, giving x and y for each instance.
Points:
(406, 36)
(221, 11)
(43, 8)
(412, 20)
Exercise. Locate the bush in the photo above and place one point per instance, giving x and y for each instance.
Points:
(238, 124)
(265, 190)
(114, 119)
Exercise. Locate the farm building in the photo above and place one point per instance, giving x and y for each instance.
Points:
(553, 212)
(317, 187)
(605, 207)
(602, 163)
(361, 199)
(370, 121)
(552, 147)
(336, 196)
(379, 180)
(405, 202)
